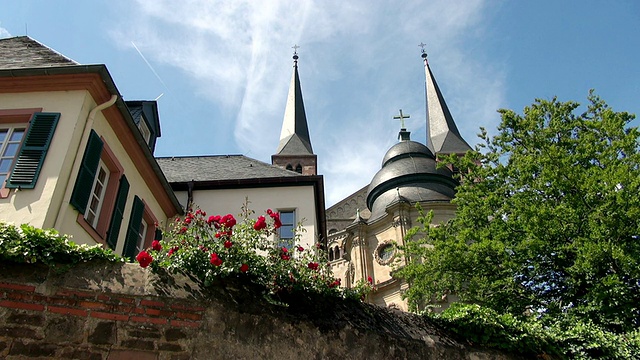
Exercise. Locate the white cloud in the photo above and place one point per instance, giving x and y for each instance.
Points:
(4, 33)
(359, 64)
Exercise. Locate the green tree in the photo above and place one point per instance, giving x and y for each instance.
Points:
(548, 219)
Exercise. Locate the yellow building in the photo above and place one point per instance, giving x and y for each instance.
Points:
(365, 227)
(74, 155)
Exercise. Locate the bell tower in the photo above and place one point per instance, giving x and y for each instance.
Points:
(294, 150)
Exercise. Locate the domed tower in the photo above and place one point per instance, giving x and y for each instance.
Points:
(409, 175)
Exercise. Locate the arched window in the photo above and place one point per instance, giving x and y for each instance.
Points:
(289, 167)
(336, 251)
(299, 169)
(330, 255)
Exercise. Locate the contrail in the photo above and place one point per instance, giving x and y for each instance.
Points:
(150, 67)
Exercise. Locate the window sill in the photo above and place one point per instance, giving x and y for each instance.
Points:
(91, 231)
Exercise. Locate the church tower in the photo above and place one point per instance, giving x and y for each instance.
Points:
(443, 136)
(294, 150)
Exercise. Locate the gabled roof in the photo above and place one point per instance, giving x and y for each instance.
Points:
(294, 137)
(23, 52)
(443, 136)
(218, 168)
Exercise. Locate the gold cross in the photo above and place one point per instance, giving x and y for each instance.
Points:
(401, 117)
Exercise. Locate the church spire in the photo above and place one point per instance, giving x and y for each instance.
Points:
(443, 136)
(294, 150)
(294, 137)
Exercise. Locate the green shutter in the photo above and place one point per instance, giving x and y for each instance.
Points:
(87, 173)
(118, 212)
(134, 227)
(33, 151)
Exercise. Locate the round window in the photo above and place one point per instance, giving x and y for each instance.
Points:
(385, 253)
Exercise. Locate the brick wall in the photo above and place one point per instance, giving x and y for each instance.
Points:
(120, 311)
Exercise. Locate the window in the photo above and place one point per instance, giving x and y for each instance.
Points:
(10, 139)
(144, 130)
(299, 169)
(142, 235)
(26, 164)
(96, 199)
(141, 229)
(100, 192)
(287, 230)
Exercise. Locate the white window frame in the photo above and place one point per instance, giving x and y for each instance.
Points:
(142, 234)
(95, 211)
(144, 130)
(11, 129)
(287, 242)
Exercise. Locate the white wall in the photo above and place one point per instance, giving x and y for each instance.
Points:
(230, 201)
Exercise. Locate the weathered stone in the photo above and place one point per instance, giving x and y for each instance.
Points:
(185, 356)
(20, 332)
(32, 349)
(80, 354)
(174, 334)
(144, 331)
(169, 347)
(104, 333)
(26, 319)
(137, 344)
(131, 354)
(64, 329)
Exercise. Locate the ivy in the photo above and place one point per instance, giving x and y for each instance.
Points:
(28, 244)
(566, 338)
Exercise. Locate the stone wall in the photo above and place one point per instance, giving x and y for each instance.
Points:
(120, 311)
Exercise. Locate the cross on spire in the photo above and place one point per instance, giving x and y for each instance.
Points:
(422, 45)
(295, 49)
(401, 117)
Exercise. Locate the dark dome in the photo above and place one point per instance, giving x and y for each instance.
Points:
(405, 149)
(409, 173)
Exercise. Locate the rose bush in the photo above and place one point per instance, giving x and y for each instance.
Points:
(218, 247)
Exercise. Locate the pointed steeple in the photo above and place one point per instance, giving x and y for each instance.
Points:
(294, 137)
(443, 136)
(294, 150)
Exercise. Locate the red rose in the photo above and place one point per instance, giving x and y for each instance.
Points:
(269, 211)
(215, 260)
(313, 265)
(370, 280)
(172, 250)
(228, 221)
(187, 221)
(214, 220)
(335, 283)
(300, 248)
(144, 259)
(155, 245)
(285, 257)
(244, 268)
(276, 219)
(284, 250)
(260, 223)
(228, 244)
(183, 230)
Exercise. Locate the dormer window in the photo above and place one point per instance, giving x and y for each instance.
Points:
(144, 130)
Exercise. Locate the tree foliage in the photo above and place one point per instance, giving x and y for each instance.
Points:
(547, 222)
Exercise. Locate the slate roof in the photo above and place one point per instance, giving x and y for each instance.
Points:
(218, 168)
(294, 137)
(22, 52)
(442, 133)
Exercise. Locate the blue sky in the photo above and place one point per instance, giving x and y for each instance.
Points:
(223, 67)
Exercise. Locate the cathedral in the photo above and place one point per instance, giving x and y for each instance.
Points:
(365, 228)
